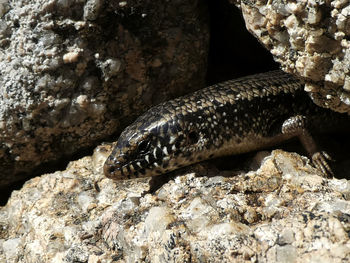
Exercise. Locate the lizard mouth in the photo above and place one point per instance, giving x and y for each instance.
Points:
(119, 169)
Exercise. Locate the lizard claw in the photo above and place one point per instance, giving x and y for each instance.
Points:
(320, 161)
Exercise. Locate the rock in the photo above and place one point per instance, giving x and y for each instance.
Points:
(74, 72)
(283, 212)
(309, 39)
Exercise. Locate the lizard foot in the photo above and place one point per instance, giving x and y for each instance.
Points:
(320, 161)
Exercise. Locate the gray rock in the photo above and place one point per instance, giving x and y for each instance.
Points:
(74, 72)
(274, 214)
(309, 39)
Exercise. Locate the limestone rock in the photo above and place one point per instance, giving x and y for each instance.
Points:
(283, 212)
(74, 72)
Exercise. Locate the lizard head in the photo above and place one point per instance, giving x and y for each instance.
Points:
(157, 142)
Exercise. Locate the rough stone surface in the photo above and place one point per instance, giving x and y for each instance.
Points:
(74, 72)
(283, 212)
(310, 38)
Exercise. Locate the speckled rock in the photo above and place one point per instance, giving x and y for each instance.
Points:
(309, 38)
(283, 212)
(74, 72)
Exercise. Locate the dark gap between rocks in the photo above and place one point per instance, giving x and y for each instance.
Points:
(233, 51)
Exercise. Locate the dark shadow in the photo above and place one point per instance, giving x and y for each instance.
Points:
(233, 51)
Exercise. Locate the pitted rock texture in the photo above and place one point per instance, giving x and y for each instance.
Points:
(283, 212)
(310, 39)
(74, 72)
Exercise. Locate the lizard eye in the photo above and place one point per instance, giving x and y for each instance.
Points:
(143, 146)
(193, 137)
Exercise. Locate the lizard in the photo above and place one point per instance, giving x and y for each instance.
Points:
(229, 118)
